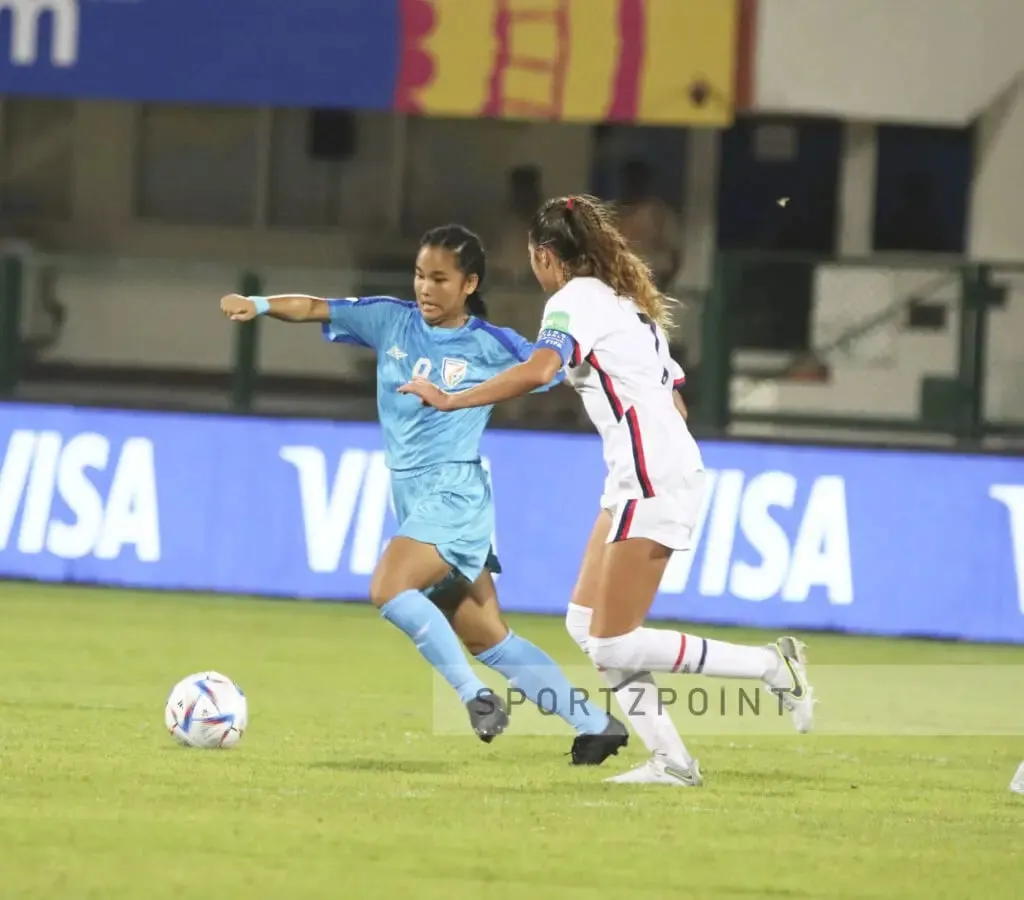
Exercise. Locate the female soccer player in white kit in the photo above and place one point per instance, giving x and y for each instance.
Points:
(605, 322)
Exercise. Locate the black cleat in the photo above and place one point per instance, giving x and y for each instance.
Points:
(594, 749)
(487, 715)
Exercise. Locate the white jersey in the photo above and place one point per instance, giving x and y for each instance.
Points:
(624, 374)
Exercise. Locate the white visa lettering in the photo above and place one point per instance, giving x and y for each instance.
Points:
(327, 513)
(368, 542)
(819, 556)
(1010, 495)
(132, 513)
(39, 468)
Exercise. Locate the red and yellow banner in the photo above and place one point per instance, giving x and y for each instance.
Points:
(657, 62)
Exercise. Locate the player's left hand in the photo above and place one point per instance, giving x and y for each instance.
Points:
(430, 394)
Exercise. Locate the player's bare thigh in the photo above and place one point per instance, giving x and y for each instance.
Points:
(406, 565)
(585, 591)
(631, 571)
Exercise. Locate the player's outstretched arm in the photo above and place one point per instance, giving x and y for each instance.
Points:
(286, 307)
(538, 370)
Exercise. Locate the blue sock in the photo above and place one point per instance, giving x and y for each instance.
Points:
(429, 629)
(537, 675)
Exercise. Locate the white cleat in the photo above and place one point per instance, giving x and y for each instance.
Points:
(1017, 785)
(798, 699)
(659, 770)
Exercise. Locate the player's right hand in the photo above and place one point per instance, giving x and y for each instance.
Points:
(238, 308)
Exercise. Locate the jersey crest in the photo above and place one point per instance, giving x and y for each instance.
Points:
(453, 371)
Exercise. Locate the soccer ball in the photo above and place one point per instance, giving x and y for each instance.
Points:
(206, 710)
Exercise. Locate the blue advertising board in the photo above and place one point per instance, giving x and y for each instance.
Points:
(868, 541)
(302, 53)
(632, 61)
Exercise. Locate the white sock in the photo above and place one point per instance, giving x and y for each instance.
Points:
(637, 696)
(658, 650)
(647, 711)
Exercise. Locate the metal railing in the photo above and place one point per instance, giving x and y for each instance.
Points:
(958, 396)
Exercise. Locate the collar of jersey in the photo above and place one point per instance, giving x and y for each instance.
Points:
(445, 334)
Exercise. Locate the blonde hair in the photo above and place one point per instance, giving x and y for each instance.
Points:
(580, 230)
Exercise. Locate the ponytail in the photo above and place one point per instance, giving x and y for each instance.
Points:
(581, 232)
(475, 305)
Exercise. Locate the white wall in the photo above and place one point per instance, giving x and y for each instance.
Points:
(923, 61)
(996, 224)
(453, 167)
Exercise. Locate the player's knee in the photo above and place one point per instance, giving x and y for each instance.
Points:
(480, 633)
(621, 652)
(383, 589)
(478, 644)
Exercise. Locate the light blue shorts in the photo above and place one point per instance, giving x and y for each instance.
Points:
(450, 506)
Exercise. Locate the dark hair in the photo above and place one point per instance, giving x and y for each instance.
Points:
(475, 305)
(470, 258)
(581, 232)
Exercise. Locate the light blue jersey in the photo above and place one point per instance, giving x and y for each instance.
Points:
(452, 358)
(442, 494)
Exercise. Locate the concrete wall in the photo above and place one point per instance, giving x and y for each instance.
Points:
(164, 313)
(921, 61)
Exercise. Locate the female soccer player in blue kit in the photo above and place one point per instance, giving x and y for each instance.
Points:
(441, 492)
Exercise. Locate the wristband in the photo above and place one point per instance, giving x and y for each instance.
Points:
(262, 305)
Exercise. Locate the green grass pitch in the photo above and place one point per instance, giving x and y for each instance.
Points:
(341, 788)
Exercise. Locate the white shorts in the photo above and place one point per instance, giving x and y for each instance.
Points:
(668, 519)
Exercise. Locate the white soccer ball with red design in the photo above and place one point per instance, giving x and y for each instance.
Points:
(207, 710)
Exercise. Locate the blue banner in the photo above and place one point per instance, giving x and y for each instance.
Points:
(301, 53)
(897, 543)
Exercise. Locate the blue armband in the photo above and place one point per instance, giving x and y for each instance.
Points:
(262, 305)
(559, 341)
